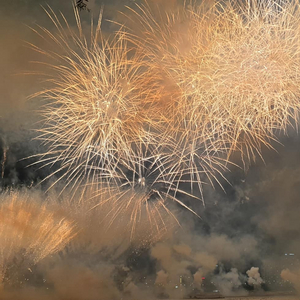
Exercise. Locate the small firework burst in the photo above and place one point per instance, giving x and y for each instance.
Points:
(144, 190)
(30, 229)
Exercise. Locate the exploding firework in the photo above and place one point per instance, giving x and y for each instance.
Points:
(92, 113)
(142, 122)
(29, 231)
(102, 128)
(142, 193)
(235, 67)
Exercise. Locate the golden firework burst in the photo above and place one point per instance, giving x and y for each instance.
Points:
(235, 65)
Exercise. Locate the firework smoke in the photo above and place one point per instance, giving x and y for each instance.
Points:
(291, 276)
(254, 277)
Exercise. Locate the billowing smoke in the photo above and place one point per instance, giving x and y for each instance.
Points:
(187, 262)
(254, 278)
(230, 283)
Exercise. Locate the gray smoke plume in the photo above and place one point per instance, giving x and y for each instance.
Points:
(254, 278)
(230, 283)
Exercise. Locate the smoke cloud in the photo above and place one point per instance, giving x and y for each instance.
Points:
(230, 283)
(254, 278)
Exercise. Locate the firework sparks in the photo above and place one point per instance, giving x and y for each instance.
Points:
(101, 124)
(198, 85)
(92, 112)
(235, 65)
(31, 229)
(143, 189)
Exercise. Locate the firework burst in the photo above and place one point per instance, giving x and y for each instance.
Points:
(30, 229)
(103, 132)
(140, 122)
(143, 190)
(235, 65)
(92, 111)
(188, 134)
